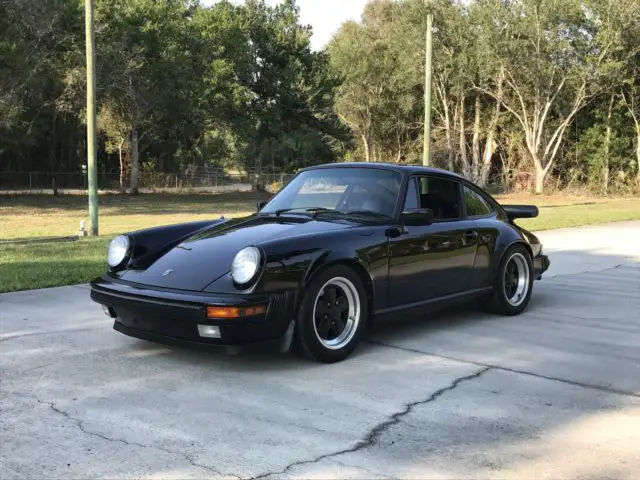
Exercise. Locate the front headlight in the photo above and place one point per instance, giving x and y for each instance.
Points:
(118, 251)
(245, 265)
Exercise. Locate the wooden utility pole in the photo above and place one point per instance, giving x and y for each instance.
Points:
(426, 152)
(92, 143)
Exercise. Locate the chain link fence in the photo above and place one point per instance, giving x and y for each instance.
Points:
(194, 180)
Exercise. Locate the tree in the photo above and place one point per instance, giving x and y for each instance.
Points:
(615, 23)
(116, 126)
(454, 67)
(630, 90)
(139, 40)
(631, 97)
(549, 86)
(550, 63)
(489, 74)
(36, 38)
(289, 89)
(382, 74)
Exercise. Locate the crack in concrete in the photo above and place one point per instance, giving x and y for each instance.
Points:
(80, 425)
(602, 388)
(374, 434)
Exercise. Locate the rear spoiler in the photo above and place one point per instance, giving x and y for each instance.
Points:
(520, 211)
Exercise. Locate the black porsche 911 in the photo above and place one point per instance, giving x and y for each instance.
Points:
(339, 246)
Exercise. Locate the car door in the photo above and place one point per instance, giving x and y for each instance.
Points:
(430, 261)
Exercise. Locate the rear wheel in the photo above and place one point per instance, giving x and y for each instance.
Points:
(332, 315)
(514, 281)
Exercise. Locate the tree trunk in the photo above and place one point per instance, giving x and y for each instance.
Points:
(463, 146)
(489, 150)
(451, 156)
(122, 185)
(637, 125)
(541, 174)
(449, 124)
(638, 155)
(454, 125)
(257, 174)
(451, 152)
(134, 162)
(367, 150)
(476, 141)
(399, 132)
(53, 143)
(451, 149)
(607, 149)
(491, 144)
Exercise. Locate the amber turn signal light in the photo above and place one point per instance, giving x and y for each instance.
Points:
(236, 312)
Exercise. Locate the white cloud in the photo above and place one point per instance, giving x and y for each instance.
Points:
(325, 16)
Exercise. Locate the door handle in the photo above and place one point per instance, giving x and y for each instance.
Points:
(471, 236)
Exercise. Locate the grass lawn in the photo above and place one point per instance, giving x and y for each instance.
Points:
(28, 266)
(25, 267)
(559, 211)
(28, 216)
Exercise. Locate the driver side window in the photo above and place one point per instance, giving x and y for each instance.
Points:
(440, 195)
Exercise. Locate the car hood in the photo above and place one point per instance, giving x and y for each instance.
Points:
(206, 256)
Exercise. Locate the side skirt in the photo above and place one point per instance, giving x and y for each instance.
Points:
(433, 303)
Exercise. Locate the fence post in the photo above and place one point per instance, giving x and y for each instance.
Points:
(176, 181)
(29, 182)
(53, 186)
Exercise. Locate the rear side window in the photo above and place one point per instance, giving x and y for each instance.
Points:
(474, 203)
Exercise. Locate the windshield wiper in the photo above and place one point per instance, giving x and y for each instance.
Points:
(363, 213)
(323, 210)
(314, 210)
(366, 212)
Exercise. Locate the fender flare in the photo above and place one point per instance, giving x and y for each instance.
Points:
(326, 260)
(504, 251)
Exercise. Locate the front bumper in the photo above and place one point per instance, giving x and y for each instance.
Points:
(541, 264)
(173, 316)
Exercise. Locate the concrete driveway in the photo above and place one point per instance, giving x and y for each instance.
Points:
(553, 393)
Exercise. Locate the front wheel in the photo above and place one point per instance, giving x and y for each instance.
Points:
(332, 315)
(513, 284)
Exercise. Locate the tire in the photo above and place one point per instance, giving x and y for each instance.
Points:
(513, 284)
(332, 316)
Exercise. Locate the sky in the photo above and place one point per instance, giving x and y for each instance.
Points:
(325, 16)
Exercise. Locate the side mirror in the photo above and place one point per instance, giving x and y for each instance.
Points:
(260, 205)
(417, 217)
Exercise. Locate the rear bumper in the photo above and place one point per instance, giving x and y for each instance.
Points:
(171, 316)
(541, 264)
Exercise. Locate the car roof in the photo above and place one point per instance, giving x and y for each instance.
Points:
(397, 167)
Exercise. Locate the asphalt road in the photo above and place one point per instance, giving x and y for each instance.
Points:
(553, 393)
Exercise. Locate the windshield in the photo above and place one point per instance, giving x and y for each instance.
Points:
(345, 190)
